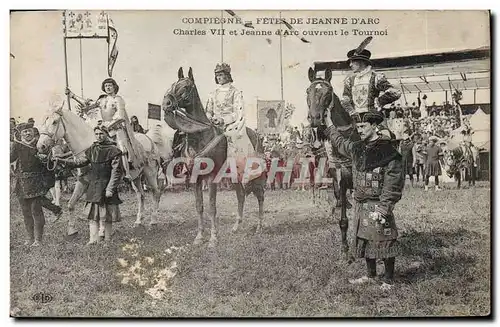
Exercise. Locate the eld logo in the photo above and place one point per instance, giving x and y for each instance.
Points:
(42, 298)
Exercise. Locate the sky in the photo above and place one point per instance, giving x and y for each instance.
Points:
(150, 55)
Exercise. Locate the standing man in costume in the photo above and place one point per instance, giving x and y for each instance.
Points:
(225, 108)
(111, 110)
(366, 90)
(104, 158)
(33, 181)
(378, 185)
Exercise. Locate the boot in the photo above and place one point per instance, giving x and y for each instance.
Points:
(38, 235)
(437, 188)
(72, 222)
(101, 228)
(107, 231)
(94, 232)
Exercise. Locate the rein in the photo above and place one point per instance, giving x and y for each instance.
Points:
(178, 111)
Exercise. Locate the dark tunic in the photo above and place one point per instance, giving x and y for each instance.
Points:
(378, 185)
(33, 179)
(432, 167)
(406, 149)
(104, 174)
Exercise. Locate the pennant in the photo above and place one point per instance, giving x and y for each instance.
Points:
(154, 111)
(247, 24)
(291, 28)
(112, 49)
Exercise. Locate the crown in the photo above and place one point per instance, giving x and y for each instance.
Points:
(223, 67)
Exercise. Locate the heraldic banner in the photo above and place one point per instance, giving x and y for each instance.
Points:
(85, 24)
(270, 116)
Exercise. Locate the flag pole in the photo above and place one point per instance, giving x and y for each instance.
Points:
(66, 60)
(281, 58)
(222, 36)
(81, 67)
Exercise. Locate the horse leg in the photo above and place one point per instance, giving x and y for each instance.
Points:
(139, 193)
(258, 191)
(198, 193)
(78, 192)
(336, 189)
(57, 193)
(212, 189)
(459, 178)
(240, 194)
(151, 175)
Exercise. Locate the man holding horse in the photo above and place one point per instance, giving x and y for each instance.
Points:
(378, 185)
(366, 90)
(104, 158)
(33, 180)
(114, 116)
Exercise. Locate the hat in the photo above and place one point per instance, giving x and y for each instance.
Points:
(22, 126)
(102, 128)
(112, 81)
(222, 67)
(372, 117)
(363, 55)
(433, 138)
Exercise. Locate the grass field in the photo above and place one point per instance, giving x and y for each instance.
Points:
(292, 269)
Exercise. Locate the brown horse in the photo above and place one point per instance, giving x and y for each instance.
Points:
(184, 112)
(320, 98)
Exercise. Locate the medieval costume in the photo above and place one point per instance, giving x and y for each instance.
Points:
(226, 104)
(378, 184)
(105, 172)
(433, 153)
(33, 180)
(136, 127)
(367, 90)
(111, 111)
(419, 159)
(406, 148)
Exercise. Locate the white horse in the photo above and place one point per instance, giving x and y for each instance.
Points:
(63, 124)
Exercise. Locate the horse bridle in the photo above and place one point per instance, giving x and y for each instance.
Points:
(49, 155)
(321, 81)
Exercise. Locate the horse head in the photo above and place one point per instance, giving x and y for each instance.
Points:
(320, 98)
(61, 124)
(182, 105)
(52, 130)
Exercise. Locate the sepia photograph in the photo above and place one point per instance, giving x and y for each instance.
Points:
(250, 163)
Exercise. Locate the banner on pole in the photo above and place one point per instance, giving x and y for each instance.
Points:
(112, 49)
(85, 24)
(270, 116)
(154, 111)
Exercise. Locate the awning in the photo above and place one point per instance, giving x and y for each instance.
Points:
(464, 70)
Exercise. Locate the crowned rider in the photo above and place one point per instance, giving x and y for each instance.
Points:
(225, 108)
(366, 90)
(111, 110)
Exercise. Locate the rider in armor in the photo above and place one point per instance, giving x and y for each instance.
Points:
(115, 118)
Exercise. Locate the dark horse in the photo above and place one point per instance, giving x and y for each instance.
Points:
(321, 97)
(184, 112)
(459, 163)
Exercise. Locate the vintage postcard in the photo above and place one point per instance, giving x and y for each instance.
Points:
(235, 163)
